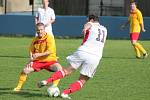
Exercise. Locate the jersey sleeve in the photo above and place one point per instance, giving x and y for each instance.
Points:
(51, 47)
(53, 14)
(31, 47)
(140, 17)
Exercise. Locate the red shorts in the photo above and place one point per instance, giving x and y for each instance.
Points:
(37, 66)
(134, 36)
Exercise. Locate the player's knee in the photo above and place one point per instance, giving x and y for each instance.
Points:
(133, 42)
(25, 71)
(68, 71)
(28, 70)
(55, 67)
(83, 78)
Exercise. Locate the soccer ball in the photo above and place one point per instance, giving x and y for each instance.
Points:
(53, 91)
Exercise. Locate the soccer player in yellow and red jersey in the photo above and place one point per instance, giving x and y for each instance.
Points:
(135, 20)
(42, 56)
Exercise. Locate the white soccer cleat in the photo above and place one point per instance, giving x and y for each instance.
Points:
(145, 55)
(17, 89)
(65, 96)
(41, 84)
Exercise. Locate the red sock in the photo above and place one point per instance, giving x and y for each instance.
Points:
(73, 87)
(55, 76)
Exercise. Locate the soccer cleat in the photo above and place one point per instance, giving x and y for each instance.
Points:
(65, 96)
(17, 89)
(145, 55)
(41, 84)
(138, 57)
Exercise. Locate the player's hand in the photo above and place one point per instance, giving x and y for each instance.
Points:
(36, 55)
(143, 30)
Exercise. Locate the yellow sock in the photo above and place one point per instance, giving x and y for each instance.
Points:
(21, 81)
(137, 51)
(139, 46)
(56, 82)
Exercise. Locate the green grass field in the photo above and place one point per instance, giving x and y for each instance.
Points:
(120, 76)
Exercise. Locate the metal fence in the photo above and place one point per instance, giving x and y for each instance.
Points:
(70, 7)
(76, 7)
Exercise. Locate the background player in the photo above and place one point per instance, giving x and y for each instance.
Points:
(136, 24)
(46, 15)
(42, 56)
(87, 56)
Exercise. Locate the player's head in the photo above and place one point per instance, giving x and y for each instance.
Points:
(133, 5)
(45, 3)
(40, 29)
(93, 18)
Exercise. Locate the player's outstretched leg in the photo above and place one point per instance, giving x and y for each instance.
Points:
(140, 47)
(137, 52)
(72, 88)
(55, 76)
(22, 79)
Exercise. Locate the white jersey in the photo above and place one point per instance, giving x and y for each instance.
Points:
(94, 39)
(44, 16)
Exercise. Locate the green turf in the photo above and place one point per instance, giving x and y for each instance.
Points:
(120, 76)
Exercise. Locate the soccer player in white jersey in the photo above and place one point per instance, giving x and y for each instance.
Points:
(46, 15)
(87, 56)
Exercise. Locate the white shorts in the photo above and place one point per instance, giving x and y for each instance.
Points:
(88, 61)
(49, 30)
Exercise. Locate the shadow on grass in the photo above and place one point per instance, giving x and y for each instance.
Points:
(23, 93)
(119, 57)
(107, 57)
(12, 56)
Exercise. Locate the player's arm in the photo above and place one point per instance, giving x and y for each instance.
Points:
(140, 18)
(87, 26)
(36, 18)
(36, 55)
(51, 19)
(31, 50)
(50, 22)
(142, 26)
(31, 58)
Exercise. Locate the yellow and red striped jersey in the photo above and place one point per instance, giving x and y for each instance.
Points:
(40, 45)
(135, 19)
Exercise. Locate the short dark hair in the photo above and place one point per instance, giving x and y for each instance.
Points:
(133, 1)
(94, 17)
(40, 24)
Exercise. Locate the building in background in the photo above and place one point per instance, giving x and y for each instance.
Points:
(106, 7)
(77, 7)
(14, 6)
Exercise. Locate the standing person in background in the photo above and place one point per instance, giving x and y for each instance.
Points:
(87, 56)
(42, 56)
(46, 15)
(135, 20)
